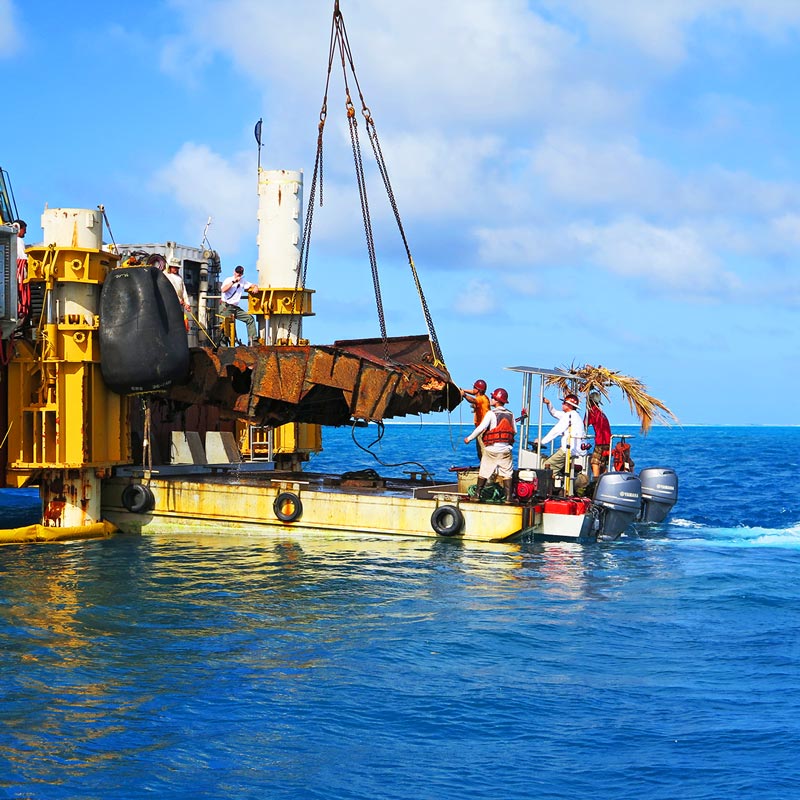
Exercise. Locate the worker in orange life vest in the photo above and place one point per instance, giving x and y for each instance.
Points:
(498, 428)
(477, 398)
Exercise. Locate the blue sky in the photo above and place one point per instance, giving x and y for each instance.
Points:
(580, 180)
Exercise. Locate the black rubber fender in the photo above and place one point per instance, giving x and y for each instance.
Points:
(447, 520)
(138, 499)
(287, 507)
(142, 332)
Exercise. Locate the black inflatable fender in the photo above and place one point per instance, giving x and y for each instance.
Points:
(143, 340)
(293, 502)
(138, 499)
(447, 520)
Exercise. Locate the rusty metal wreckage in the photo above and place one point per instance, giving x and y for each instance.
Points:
(323, 384)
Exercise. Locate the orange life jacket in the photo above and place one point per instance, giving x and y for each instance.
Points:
(622, 457)
(503, 432)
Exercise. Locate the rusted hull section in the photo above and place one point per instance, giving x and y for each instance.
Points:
(366, 379)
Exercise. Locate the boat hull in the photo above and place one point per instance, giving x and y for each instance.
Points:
(251, 505)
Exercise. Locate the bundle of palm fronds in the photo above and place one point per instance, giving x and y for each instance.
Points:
(587, 379)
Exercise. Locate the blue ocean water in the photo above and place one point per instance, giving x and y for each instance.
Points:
(663, 665)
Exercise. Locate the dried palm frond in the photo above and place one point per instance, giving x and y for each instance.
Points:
(588, 378)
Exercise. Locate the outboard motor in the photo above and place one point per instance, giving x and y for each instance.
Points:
(618, 497)
(659, 493)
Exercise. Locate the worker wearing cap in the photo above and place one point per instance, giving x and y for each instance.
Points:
(499, 429)
(477, 398)
(174, 277)
(571, 429)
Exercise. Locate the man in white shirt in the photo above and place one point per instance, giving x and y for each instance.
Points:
(174, 277)
(571, 429)
(232, 290)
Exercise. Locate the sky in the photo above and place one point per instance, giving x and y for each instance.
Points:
(598, 182)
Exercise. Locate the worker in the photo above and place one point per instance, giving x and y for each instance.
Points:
(499, 429)
(477, 398)
(570, 428)
(174, 277)
(23, 287)
(598, 421)
(22, 229)
(232, 290)
(581, 480)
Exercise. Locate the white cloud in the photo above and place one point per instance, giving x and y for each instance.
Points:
(661, 30)
(477, 299)
(10, 35)
(432, 173)
(479, 62)
(491, 127)
(786, 228)
(205, 184)
(521, 245)
(668, 258)
(683, 258)
(596, 173)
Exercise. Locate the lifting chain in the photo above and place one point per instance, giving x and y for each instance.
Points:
(339, 41)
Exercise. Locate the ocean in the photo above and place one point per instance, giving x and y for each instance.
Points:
(663, 665)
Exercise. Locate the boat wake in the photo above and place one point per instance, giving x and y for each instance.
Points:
(691, 533)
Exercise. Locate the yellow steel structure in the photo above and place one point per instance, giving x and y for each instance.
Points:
(66, 427)
(291, 444)
(292, 302)
(288, 444)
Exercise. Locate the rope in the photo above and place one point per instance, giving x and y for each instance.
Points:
(147, 450)
(5, 438)
(200, 327)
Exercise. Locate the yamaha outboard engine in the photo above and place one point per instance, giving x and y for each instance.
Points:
(618, 497)
(659, 493)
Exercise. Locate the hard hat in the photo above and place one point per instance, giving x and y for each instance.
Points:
(572, 400)
(480, 385)
(500, 395)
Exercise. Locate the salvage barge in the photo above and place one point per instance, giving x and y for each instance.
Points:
(219, 445)
(129, 407)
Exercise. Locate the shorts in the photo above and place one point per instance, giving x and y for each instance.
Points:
(600, 455)
(502, 463)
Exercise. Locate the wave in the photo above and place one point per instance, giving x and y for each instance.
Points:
(686, 532)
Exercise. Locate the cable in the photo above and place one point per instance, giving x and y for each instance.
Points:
(381, 429)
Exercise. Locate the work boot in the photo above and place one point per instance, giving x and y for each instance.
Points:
(479, 490)
(507, 487)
